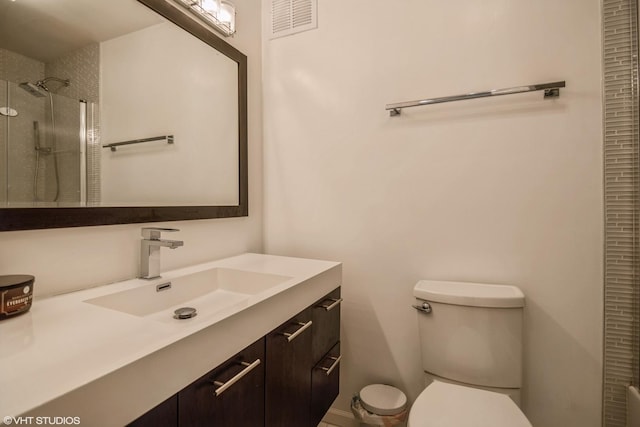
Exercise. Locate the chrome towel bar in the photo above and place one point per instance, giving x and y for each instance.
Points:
(551, 90)
(114, 146)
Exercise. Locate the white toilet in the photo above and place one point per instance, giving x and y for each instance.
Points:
(471, 342)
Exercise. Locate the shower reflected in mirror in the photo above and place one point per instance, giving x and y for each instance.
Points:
(42, 140)
(40, 89)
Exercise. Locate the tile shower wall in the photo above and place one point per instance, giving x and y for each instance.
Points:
(94, 153)
(17, 153)
(621, 206)
(18, 68)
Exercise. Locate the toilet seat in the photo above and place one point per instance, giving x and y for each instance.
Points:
(450, 405)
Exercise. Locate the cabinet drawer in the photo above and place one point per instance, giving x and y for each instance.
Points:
(326, 324)
(230, 395)
(287, 378)
(325, 384)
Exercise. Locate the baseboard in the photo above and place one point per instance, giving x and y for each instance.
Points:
(340, 418)
(633, 406)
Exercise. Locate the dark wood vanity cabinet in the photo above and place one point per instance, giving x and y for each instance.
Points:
(231, 395)
(325, 374)
(163, 415)
(302, 374)
(290, 377)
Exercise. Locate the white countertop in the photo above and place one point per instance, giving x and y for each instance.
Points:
(63, 343)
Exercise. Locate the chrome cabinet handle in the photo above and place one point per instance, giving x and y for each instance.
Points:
(336, 361)
(425, 307)
(291, 337)
(335, 303)
(223, 386)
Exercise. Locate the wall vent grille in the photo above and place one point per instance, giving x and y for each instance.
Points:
(292, 16)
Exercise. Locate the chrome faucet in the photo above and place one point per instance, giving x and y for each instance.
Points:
(150, 250)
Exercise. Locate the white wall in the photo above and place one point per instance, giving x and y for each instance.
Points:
(73, 258)
(503, 190)
(163, 81)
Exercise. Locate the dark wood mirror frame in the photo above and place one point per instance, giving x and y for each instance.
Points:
(61, 217)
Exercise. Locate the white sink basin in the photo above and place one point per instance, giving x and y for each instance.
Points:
(209, 292)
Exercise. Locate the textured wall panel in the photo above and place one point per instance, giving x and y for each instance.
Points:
(621, 206)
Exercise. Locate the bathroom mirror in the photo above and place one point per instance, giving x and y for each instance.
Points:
(118, 112)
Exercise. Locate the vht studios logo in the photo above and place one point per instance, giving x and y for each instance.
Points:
(41, 421)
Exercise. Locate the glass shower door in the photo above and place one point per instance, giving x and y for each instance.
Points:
(25, 113)
(42, 148)
(63, 163)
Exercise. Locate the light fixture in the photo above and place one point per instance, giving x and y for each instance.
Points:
(227, 15)
(219, 14)
(210, 6)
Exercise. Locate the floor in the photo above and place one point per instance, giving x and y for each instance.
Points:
(326, 425)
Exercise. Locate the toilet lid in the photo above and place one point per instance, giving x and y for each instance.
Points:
(450, 405)
(382, 399)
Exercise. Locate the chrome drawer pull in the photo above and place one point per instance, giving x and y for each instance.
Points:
(223, 386)
(336, 302)
(336, 361)
(291, 337)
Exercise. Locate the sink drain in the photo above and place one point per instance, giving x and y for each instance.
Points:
(185, 313)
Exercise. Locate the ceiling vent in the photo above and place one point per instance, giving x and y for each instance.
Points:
(292, 16)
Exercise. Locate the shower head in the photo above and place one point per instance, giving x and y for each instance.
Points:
(32, 89)
(36, 88)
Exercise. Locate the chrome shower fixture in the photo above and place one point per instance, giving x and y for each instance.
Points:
(33, 89)
(40, 89)
(43, 83)
(36, 88)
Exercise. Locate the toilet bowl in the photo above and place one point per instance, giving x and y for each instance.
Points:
(471, 347)
(449, 405)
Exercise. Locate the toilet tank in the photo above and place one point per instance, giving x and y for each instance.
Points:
(471, 332)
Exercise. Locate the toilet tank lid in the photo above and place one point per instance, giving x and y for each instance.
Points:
(469, 294)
